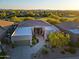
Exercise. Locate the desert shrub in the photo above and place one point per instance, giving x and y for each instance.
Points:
(29, 18)
(16, 19)
(13, 45)
(45, 50)
(34, 40)
(77, 44)
(53, 46)
(71, 50)
(53, 21)
(62, 52)
(58, 39)
(45, 46)
(2, 54)
(71, 44)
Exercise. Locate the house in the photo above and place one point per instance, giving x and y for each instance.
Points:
(5, 23)
(70, 27)
(4, 27)
(25, 30)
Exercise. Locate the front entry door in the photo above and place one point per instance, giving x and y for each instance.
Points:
(38, 31)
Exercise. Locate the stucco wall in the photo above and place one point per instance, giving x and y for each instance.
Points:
(50, 29)
(22, 40)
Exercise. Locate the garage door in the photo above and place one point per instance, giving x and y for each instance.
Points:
(22, 42)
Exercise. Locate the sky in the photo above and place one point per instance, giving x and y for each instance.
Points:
(40, 4)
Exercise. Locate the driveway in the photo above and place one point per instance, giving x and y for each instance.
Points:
(26, 52)
(21, 52)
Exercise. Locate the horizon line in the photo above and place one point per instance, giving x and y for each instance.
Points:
(38, 9)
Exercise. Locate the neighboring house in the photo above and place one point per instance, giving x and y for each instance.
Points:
(25, 30)
(70, 27)
(5, 23)
(4, 27)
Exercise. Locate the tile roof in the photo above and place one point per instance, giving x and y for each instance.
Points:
(30, 23)
(75, 31)
(4, 27)
(72, 27)
(5, 23)
(68, 25)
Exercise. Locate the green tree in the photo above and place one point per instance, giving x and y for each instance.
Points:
(58, 39)
(29, 18)
(54, 16)
(15, 19)
(2, 15)
(53, 21)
